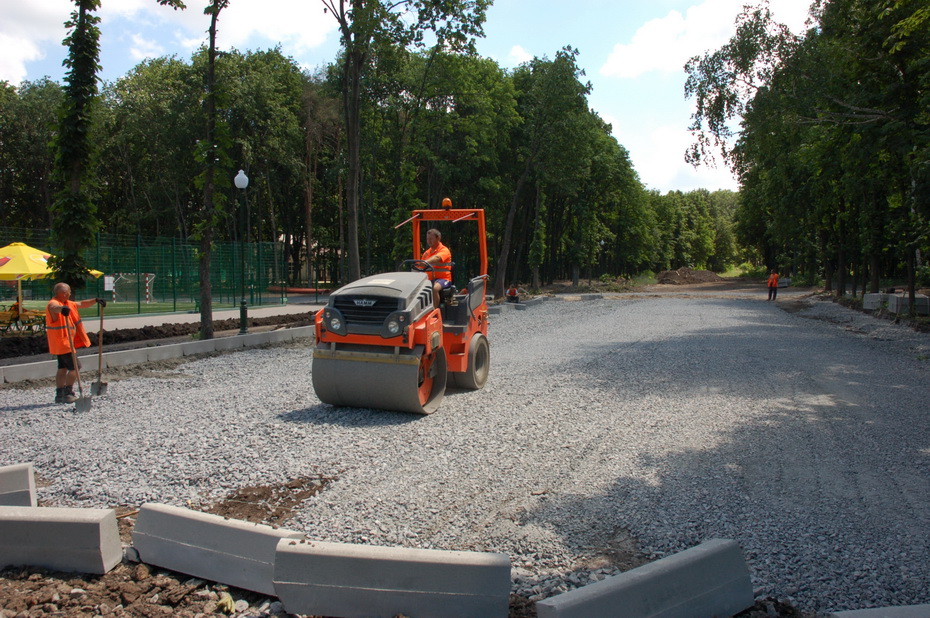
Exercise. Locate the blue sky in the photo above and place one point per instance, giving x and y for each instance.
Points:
(632, 52)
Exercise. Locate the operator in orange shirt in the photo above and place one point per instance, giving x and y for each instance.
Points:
(773, 285)
(440, 258)
(62, 317)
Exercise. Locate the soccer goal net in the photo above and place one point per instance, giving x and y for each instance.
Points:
(133, 287)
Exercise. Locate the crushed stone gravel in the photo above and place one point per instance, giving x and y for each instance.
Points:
(610, 432)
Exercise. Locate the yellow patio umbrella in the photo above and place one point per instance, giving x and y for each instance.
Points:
(19, 262)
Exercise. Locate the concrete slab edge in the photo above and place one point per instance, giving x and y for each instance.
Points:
(709, 579)
(47, 369)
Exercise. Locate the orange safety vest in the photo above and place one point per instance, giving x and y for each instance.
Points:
(57, 327)
(512, 292)
(444, 269)
(773, 280)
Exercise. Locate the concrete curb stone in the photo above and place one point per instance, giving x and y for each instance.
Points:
(61, 539)
(711, 579)
(47, 369)
(339, 579)
(233, 552)
(18, 485)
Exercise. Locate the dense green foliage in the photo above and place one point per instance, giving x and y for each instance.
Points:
(561, 195)
(833, 153)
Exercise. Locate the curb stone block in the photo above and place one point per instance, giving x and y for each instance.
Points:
(901, 304)
(30, 371)
(871, 302)
(233, 552)
(711, 579)
(337, 579)
(126, 357)
(60, 539)
(901, 611)
(251, 339)
(18, 485)
(227, 343)
(499, 309)
(165, 352)
(198, 347)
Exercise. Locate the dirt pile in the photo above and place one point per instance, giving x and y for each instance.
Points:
(685, 276)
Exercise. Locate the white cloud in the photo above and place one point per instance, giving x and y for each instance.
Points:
(143, 48)
(658, 158)
(24, 29)
(300, 24)
(665, 44)
(518, 55)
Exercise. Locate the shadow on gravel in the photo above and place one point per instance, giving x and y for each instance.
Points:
(808, 448)
(26, 408)
(324, 414)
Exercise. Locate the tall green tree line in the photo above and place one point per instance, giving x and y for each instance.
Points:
(561, 195)
(833, 150)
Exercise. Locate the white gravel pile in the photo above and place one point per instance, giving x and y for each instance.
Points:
(655, 422)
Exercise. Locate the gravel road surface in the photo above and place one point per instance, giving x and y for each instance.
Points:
(611, 432)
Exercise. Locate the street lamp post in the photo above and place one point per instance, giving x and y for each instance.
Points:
(242, 182)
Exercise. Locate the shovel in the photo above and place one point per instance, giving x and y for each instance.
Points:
(83, 403)
(99, 387)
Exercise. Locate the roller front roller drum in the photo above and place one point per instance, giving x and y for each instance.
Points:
(371, 377)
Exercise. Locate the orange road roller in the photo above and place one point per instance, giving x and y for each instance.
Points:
(381, 342)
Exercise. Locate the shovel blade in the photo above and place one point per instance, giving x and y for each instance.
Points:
(98, 388)
(82, 404)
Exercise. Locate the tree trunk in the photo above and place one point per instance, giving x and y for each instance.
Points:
(354, 62)
(501, 274)
(206, 240)
(308, 208)
(873, 273)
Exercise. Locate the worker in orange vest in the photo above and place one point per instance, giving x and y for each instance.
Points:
(62, 324)
(773, 285)
(440, 258)
(513, 293)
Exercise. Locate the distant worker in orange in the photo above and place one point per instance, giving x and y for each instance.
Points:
(513, 293)
(773, 285)
(440, 258)
(62, 318)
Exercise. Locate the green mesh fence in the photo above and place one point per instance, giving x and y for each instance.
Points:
(159, 275)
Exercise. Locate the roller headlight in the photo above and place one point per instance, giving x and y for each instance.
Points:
(334, 322)
(395, 324)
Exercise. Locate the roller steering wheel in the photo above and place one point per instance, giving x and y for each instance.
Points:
(420, 265)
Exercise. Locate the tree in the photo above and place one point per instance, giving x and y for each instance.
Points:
(74, 220)
(28, 118)
(210, 154)
(364, 27)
